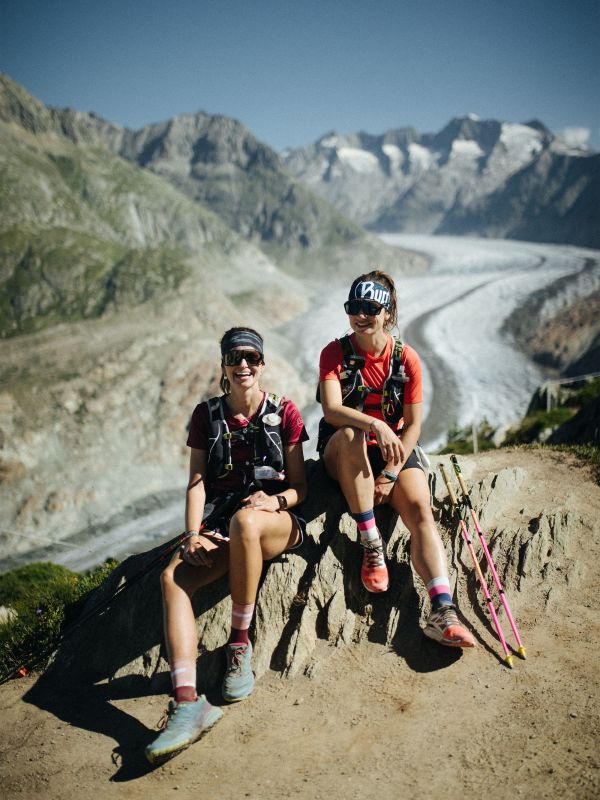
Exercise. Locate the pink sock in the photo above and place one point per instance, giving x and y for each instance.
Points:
(241, 617)
(183, 677)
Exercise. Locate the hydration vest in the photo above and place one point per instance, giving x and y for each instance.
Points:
(264, 432)
(355, 391)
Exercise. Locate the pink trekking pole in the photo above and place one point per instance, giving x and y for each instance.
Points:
(486, 593)
(490, 561)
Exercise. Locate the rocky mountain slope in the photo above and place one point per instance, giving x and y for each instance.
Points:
(216, 161)
(115, 286)
(477, 177)
(559, 326)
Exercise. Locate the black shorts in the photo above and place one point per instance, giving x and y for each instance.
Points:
(377, 461)
(220, 526)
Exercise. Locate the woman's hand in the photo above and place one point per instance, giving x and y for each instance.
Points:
(261, 500)
(390, 445)
(383, 490)
(196, 550)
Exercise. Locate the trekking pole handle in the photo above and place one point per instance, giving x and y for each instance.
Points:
(461, 480)
(448, 486)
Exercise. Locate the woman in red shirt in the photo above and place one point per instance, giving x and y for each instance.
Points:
(368, 441)
(247, 445)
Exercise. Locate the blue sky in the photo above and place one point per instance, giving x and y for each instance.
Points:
(292, 71)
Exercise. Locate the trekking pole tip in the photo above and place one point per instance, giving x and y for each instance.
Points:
(508, 661)
(522, 652)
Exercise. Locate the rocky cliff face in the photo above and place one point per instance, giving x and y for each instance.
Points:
(216, 161)
(475, 177)
(316, 593)
(559, 326)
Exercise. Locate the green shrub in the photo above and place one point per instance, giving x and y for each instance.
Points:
(45, 598)
(584, 394)
(30, 579)
(533, 425)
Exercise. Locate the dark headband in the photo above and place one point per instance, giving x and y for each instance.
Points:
(235, 339)
(370, 290)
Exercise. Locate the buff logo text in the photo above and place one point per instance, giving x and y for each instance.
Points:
(369, 290)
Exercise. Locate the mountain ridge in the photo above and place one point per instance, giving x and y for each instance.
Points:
(473, 177)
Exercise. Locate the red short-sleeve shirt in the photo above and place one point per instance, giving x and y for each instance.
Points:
(375, 372)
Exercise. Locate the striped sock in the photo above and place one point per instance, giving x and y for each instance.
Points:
(241, 617)
(367, 527)
(439, 592)
(183, 678)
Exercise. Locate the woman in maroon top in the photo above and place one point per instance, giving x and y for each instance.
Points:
(263, 527)
(369, 446)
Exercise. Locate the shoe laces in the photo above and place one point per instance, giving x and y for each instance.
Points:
(374, 556)
(447, 616)
(170, 711)
(237, 656)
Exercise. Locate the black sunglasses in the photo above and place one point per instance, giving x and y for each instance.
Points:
(235, 357)
(368, 307)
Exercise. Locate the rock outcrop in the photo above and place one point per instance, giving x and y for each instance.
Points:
(316, 593)
(559, 326)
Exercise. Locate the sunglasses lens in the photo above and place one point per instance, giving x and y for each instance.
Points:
(354, 307)
(235, 357)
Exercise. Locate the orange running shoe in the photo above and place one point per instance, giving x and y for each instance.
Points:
(444, 627)
(374, 574)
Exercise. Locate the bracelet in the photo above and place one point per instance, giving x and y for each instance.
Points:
(191, 533)
(283, 503)
(391, 476)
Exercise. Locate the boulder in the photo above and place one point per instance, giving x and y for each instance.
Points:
(314, 593)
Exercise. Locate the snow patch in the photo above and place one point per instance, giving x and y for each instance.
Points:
(394, 154)
(358, 160)
(521, 141)
(420, 156)
(466, 148)
(575, 137)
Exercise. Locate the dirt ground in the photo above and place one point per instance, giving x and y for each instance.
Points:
(426, 722)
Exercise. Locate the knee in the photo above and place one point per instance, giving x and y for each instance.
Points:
(167, 579)
(244, 526)
(419, 516)
(351, 440)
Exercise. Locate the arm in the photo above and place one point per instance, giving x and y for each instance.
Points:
(413, 415)
(196, 548)
(339, 415)
(410, 435)
(196, 494)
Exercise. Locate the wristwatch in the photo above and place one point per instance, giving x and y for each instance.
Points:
(391, 476)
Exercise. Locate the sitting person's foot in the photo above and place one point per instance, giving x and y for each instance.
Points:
(185, 724)
(374, 573)
(443, 626)
(238, 682)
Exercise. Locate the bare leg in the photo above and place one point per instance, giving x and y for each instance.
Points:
(256, 536)
(410, 499)
(179, 583)
(346, 462)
